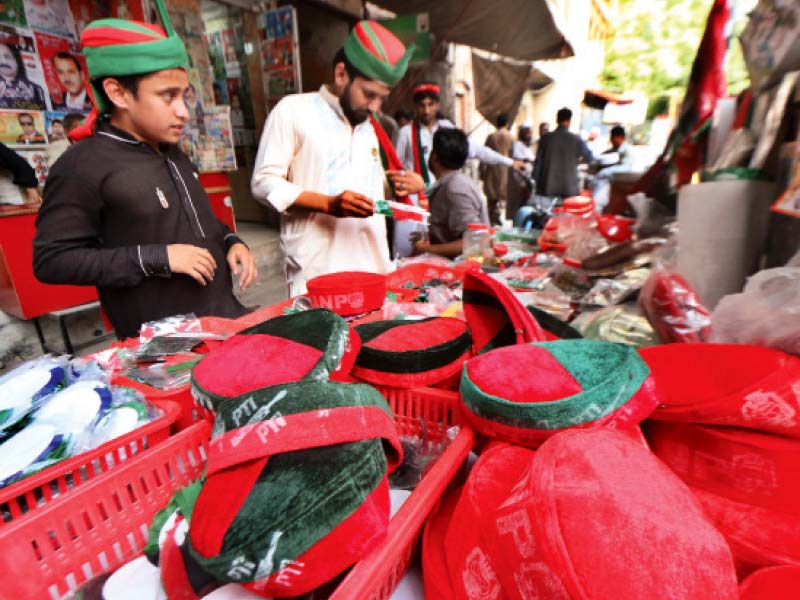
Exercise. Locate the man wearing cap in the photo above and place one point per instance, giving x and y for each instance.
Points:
(319, 162)
(415, 141)
(123, 208)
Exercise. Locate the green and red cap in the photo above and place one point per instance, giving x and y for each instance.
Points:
(296, 487)
(314, 344)
(377, 53)
(567, 383)
(407, 354)
(118, 47)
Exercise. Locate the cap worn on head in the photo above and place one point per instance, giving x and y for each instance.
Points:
(117, 47)
(377, 52)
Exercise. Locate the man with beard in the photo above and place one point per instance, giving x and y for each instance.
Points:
(319, 162)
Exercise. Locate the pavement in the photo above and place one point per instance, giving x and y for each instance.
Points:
(19, 342)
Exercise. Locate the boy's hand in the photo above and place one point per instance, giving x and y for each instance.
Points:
(193, 261)
(242, 263)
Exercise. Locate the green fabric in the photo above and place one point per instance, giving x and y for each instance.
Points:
(610, 375)
(372, 66)
(300, 496)
(183, 501)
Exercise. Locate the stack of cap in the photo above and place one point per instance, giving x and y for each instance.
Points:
(406, 354)
(592, 514)
(295, 490)
(314, 344)
(567, 383)
(348, 293)
(579, 205)
(495, 316)
(728, 425)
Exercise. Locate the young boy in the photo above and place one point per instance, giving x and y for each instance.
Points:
(123, 209)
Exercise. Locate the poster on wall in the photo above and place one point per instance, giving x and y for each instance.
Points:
(86, 11)
(37, 158)
(64, 73)
(13, 13)
(51, 16)
(19, 128)
(54, 125)
(22, 83)
(280, 54)
(210, 147)
(188, 23)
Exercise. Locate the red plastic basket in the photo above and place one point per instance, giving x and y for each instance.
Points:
(41, 488)
(105, 523)
(100, 526)
(188, 413)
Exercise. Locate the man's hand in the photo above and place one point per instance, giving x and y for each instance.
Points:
(193, 261)
(350, 204)
(33, 195)
(243, 264)
(519, 165)
(421, 247)
(406, 182)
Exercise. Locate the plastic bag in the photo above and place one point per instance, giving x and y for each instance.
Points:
(673, 308)
(624, 324)
(586, 243)
(609, 292)
(419, 454)
(26, 387)
(766, 313)
(169, 325)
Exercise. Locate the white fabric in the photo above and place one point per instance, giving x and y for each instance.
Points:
(520, 151)
(308, 145)
(76, 102)
(405, 148)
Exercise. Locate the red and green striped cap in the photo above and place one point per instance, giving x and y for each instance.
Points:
(116, 47)
(377, 53)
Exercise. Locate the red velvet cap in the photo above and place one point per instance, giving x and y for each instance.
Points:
(774, 583)
(614, 522)
(758, 537)
(314, 344)
(567, 383)
(408, 354)
(748, 466)
(348, 293)
(727, 384)
(495, 316)
(435, 572)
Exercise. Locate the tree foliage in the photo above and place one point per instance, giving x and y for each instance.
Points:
(654, 45)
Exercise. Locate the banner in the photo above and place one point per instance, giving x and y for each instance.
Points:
(22, 83)
(15, 129)
(51, 16)
(65, 73)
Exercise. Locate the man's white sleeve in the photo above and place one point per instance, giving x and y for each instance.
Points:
(276, 150)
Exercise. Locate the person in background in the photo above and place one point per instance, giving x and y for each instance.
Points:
(495, 177)
(29, 134)
(123, 208)
(620, 152)
(402, 117)
(617, 139)
(456, 201)
(58, 146)
(22, 173)
(544, 129)
(319, 162)
(556, 168)
(519, 188)
(16, 90)
(56, 131)
(70, 74)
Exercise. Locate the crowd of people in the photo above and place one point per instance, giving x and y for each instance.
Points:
(140, 227)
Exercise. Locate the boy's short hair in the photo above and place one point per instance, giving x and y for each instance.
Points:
(451, 147)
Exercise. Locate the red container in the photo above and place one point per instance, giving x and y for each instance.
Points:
(45, 486)
(104, 524)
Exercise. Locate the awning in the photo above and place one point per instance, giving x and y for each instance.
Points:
(599, 98)
(500, 84)
(521, 29)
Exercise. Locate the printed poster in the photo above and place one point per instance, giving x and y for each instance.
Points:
(86, 11)
(13, 13)
(210, 147)
(21, 128)
(65, 73)
(54, 125)
(51, 16)
(37, 158)
(22, 84)
(280, 54)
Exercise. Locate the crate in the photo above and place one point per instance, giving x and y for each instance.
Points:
(41, 488)
(104, 524)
